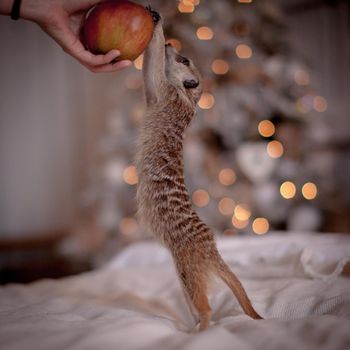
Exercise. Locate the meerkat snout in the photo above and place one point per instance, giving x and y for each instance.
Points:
(182, 73)
(190, 83)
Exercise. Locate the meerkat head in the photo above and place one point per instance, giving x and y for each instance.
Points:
(182, 74)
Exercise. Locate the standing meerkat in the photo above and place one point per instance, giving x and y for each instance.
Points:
(172, 88)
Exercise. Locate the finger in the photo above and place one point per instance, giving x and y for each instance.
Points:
(112, 67)
(109, 57)
(73, 46)
(94, 60)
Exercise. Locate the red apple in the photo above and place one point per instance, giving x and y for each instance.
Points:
(118, 24)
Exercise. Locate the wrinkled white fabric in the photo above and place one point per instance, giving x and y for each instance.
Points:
(294, 281)
(321, 256)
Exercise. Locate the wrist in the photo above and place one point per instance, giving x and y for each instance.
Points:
(33, 10)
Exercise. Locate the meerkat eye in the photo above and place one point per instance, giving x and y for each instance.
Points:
(182, 60)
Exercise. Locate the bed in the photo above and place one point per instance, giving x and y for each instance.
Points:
(298, 282)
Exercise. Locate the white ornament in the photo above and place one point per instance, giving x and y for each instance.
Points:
(304, 218)
(268, 201)
(254, 161)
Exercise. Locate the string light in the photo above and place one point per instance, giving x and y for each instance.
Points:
(242, 213)
(320, 104)
(219, 66)
(226, 206)
(309, 191)
(204, 33)
(240, 224)
(190, 2)
(227, 177)
(274, 149)
(266, 128)
(260, 226)
(138, 62)
(130, 175)
(288, 190)
(243, 51)
(175, 43)
(206, 101)
(301, 77)
(184, 8)
(128, 226)
(200, 198)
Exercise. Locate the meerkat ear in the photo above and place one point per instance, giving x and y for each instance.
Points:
(190, 83)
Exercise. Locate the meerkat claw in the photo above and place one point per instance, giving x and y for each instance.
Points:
(155, 15)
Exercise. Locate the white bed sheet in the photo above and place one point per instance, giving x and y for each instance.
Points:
(297, 283)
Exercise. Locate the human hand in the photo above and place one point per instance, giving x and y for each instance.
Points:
(62, 19)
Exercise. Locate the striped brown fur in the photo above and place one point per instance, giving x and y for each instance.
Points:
(164, 205)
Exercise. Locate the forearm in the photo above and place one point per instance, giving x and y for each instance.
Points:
(5, 7)
(33, 10)
(154, 65)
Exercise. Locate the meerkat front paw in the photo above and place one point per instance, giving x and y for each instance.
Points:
(155, 15)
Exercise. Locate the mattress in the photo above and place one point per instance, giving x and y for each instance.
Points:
(298, 282)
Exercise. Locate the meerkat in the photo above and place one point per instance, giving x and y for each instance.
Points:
(173, 87)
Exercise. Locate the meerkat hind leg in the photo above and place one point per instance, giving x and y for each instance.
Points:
(196, 292)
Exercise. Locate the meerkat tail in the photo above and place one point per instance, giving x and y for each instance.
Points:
(224, 272)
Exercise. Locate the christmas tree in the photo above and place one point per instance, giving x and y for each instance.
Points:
(252, 155)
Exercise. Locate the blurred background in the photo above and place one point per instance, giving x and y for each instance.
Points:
(269, 149)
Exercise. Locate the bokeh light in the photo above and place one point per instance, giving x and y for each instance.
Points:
(200, 198)
(309, 190)
(138, 62)
(190, 2)
(185, 7)
(288, 190)
(130, 175)
(266, 128)
(240, 224)
(227, 177)
(219, 66)
(320, 104)
(243, 51)
(274, 149)
(206, 101)
(242, 212)
(175, 43)
(128, 226)
(301, 77)
(260, 226)
(226, 206)
(204, 33)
